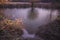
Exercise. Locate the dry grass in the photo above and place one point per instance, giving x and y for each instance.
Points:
(10, 30)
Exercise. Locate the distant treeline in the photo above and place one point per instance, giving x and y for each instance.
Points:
(38, 0)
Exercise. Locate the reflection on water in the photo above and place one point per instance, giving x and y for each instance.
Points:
(43, 16)
(32, 14)
(27, 35)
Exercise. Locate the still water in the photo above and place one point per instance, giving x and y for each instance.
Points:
(42, 16)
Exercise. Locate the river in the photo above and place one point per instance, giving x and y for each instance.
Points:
(42, 16)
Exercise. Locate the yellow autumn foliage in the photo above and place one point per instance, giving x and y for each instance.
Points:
(13, 23)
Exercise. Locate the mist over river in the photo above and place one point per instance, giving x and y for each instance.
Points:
(43, 16)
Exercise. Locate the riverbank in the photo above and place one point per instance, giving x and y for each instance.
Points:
(28, 4)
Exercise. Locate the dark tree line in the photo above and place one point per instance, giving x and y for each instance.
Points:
(38, 0)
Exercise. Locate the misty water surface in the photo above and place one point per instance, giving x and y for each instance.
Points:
(43, 16)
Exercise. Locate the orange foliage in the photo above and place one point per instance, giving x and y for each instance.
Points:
(12, 23)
